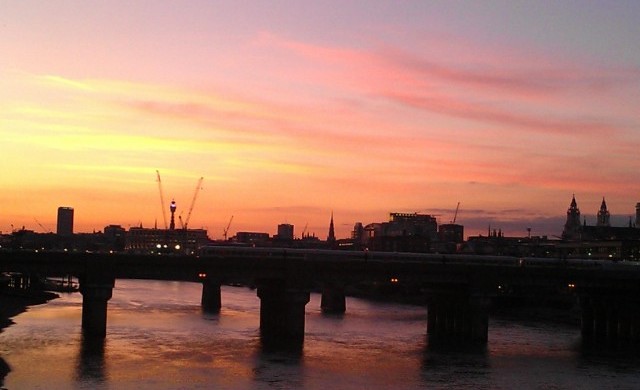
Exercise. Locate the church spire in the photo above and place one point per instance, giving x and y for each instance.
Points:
(331, 238)
(603, 215)
(572, 228)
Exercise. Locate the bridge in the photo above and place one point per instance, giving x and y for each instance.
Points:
(457, 289)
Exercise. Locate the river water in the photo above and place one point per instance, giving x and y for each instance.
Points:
(158, 338)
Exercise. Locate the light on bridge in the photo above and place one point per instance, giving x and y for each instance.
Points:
(394, 280)
(571, 285)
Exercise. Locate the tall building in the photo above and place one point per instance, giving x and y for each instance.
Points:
(65, 221)
(603, 215)
(285, 232)
(403, 233)
(638, 215)
(573, 227)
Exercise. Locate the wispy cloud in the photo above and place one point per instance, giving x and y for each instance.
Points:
(492, 94)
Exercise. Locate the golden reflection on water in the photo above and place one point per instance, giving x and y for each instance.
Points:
(158, 337)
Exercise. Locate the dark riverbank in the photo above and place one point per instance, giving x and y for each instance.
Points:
(12, 304)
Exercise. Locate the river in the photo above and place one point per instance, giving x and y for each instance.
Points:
(158, 338)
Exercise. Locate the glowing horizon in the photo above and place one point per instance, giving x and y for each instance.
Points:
(294, 110)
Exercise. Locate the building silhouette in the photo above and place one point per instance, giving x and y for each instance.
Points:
(285, 232)
(65, 221)
(450, 237)
(331, 237)
(603, 215)
(601, 241)
(145, 240)
(573, 226)
(403, 233)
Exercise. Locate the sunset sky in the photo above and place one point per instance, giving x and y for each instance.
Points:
(292, 110)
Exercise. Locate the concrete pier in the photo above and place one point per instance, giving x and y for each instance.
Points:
(587, 320)
(282, 313)
(458, 317)
(333, 299)
(95, 295)
(609, 319)
(211, 301)
(96, 287)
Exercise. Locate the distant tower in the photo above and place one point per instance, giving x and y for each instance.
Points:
(65, 221)
(331, 238)
(573, 227)
(172, 208)
(603, 215)
(638, 215)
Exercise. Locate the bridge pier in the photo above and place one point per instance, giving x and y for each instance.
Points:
(612, 319)
(96, 287)
(333, 299)
(458, 317)
(587, 319)
(95, 295)
(282, 313)
(211, 300)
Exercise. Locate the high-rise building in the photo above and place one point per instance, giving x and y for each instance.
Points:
(65, 221)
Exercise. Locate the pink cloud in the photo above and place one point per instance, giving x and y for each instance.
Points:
(521, 79)
(483, 91)
(479, 112)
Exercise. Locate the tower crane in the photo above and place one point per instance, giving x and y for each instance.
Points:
(44, 229)
(455, 215)
(164, 213)
(226, 230)
(193, 202)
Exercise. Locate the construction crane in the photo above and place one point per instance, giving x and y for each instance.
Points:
(455, 215)
(164, 213)
(193, 202)
(226, 230)
(44, 229)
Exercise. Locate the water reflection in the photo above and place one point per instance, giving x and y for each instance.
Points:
(90, 366)
(444, 363)
(159, 339)
(279, 364)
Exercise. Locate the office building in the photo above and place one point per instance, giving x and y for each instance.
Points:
(65, 221)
